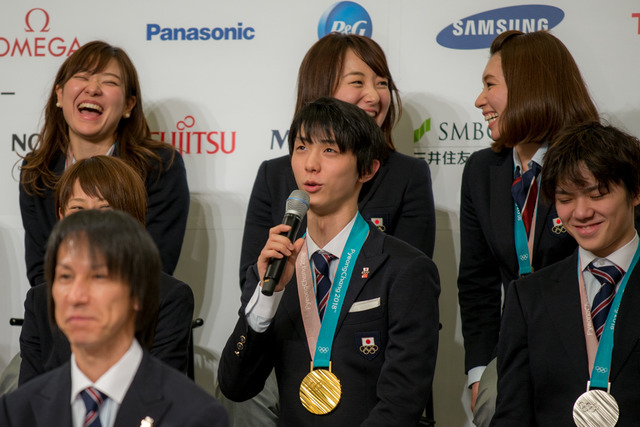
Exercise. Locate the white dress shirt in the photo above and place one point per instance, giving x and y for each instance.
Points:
(261, 308)
(622, 258)
(114, 383)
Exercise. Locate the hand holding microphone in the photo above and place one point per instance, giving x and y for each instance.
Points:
(296, 209)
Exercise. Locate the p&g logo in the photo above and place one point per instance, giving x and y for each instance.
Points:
(478, 31)
(345, 17)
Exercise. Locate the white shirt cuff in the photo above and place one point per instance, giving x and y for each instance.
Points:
(261, 309)
(474, 375)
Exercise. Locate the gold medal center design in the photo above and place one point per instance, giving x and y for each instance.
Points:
(320, 391)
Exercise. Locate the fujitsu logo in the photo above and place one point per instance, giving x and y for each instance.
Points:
(190, 141)
(44, 44)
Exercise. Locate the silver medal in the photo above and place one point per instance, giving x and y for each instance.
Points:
(596, 408)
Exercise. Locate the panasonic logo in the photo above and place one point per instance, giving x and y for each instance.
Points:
(239, 32)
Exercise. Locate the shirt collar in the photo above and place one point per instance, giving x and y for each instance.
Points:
(71, 160)
(336, 245)
(538, 157)
(622, 257)
(115, 382)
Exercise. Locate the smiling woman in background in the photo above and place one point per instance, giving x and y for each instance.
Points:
(532, 89)
(95, 108)
(399, 199)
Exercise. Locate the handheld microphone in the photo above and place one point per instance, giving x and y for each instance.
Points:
(296, 209)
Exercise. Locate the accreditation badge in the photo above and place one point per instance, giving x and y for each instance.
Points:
(320, 391)
(596, 408)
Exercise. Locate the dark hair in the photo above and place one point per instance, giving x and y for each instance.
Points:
(130, 254)
(321, 68)
(106, 177)
(611, 155)
(135, 145)
(545, 91)
(329, 119)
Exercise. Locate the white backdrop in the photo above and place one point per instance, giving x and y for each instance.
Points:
(242, 92)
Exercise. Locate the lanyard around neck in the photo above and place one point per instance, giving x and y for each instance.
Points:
(524, 244)
(320, 343)
(602, 363)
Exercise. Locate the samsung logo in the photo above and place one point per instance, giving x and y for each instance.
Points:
(478, 31)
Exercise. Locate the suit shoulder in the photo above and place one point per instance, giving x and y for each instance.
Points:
(552, 271)
(170, 284)
(404, 164)
(36, 299)
(37, 292)
(181, 386)
(487, 156)
(400, 250)
(397, 157)
(277, 165)
(168, 155)
(35, 386)
(185, 393)
(277, 175)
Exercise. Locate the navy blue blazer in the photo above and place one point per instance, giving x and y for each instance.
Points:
(389, 387)
(488, 257)
(157, 391)
(43, 347)
(400, 194)
(166, 222)
(542, 354)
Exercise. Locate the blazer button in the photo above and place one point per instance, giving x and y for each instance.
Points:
(243, 339)
(239, 346)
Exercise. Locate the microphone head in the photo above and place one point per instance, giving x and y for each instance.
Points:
(298, 203)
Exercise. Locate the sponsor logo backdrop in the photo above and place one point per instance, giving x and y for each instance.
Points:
(218, 80)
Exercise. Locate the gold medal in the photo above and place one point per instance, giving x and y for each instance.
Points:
(320, 391)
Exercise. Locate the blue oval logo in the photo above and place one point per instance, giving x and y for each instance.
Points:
(345, 17)
(478, 31)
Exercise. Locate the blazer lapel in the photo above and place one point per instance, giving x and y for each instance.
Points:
(145, 395)
(291, 304)
(626, 332)
(541, 222)
(501, 209)
(372, 257)
(52, 401)
(561, 296)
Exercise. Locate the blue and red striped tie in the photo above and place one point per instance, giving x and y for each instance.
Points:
(321, 261)
(608, 276)
(93, 399)
(525, 194)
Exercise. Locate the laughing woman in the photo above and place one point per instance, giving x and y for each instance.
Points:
(95, 108)
(532, 89)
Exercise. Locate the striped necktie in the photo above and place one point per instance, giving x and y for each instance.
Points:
(525, 193)
(321, 261)
(93, 399)
(608, 276)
